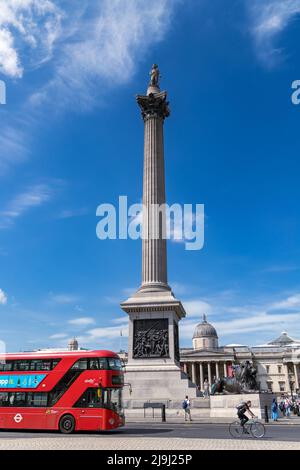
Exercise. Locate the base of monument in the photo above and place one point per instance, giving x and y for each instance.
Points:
(225, 405)
(216, 406)
(166, 384)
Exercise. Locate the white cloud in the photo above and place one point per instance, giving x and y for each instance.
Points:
(28, 28)
(90, 49)
(3, 297)
(269, 324)
(120, 320)
(119, 34)
(129, 291)
(196, 308)
(71, 213)
(64, 298)
(58, 336)
(13, 144)
(269, 18)
(34, 196)
(261, 322)
(280, 269)
(82, 321)
(179, 288)
(291, 302)
(233, 318)
(111, 332)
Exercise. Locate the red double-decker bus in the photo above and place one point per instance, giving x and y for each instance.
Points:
(66, 391)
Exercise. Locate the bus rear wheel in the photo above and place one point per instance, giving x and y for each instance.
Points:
(67, 424)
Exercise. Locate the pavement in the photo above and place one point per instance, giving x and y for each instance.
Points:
(155, 436)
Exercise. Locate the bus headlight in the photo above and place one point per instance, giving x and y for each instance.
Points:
(111, 421)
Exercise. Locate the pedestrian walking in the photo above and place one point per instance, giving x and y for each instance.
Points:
(287, 407)
(186, 405)
(281, 406)
(274, 409)
(206, 388)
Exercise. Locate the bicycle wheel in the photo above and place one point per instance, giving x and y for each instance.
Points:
(235, 429)
(257, 430)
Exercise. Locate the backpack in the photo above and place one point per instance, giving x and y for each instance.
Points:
(274, 407)
(281, 407)
(184, 404)
(241, 405)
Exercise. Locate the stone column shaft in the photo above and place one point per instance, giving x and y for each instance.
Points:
(296, 376)
(225, 370)
(194, 372)
(217, 370)
(201, 376)
(209, 372)
(154, 109)
(154, 262)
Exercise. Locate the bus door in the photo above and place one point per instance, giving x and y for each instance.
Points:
(90, 416)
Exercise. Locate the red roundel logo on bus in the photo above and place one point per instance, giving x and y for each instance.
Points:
(18, 418)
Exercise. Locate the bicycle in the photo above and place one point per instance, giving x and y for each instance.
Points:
(253, 427)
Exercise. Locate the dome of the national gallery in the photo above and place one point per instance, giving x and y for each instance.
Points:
(205, 329)
(205, 336)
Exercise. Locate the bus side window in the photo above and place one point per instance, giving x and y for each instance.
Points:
(8, 365)
(80, 365)
(17, 399)
(30, 399)
(94, 364)
(3, 399)
(91, 398)
(36, 364)
(103, 363)
(46, 365)
(40, 399)
(55, 362)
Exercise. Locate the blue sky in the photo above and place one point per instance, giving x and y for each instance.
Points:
(71, 138)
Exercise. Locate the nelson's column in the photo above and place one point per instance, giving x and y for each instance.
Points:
(153, 350)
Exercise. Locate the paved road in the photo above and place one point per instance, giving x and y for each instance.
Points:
(162, 431)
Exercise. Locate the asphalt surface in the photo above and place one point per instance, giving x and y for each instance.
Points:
(135, 431)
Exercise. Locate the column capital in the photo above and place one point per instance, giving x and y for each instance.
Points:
(154, 105)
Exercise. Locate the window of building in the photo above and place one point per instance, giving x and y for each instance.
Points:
(281, 386)
(270, 386)
(279, 369)
(267, 369)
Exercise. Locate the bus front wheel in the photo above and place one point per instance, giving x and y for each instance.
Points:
(67, 424)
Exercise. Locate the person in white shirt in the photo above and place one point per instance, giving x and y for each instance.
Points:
(187, 408)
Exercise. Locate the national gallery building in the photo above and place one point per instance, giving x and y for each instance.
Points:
(277, 362)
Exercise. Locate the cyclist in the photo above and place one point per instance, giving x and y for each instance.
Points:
(241, 410)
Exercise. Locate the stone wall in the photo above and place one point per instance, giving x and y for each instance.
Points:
(225, 405)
